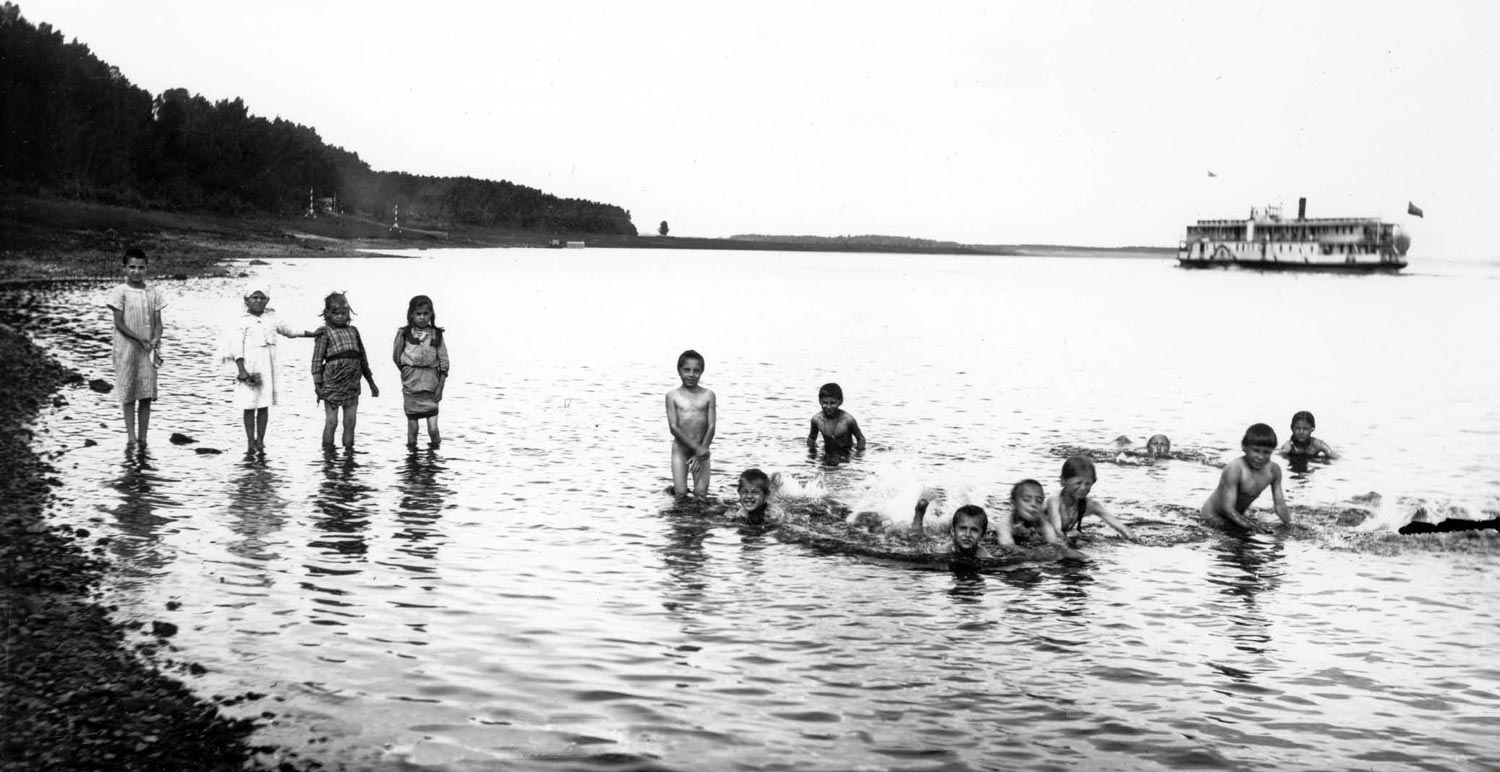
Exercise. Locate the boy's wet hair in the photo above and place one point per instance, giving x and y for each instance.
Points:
(1015, 490)
(974, 511)
(136, 252)
(1259, 436)
(690, 354)
(831, 390)
(1165, 440)
(1305, 415)
(1077, 466)
(757, 478)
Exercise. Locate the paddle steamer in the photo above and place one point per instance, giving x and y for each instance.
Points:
(1267, 241)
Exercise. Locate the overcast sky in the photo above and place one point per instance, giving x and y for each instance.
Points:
(981, 122)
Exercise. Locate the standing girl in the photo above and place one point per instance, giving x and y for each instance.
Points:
(338, 363)
(422, 356)
(1066, 508)
(250, 345)
(137, 340)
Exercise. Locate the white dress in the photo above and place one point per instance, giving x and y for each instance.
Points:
(253, 338)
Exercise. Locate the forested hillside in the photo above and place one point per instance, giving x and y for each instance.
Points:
(73, 125)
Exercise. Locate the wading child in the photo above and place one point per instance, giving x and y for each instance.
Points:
(1067, 508)
(1244, 479)
(1302, 442)
(250, 345)
(422, 356)
(338, 363)
(1027, 521)
(839, 429)
(136, 308)
(691, 417)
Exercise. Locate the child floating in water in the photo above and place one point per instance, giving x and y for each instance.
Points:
(338, 363)
(1244, 479)
(1159, 446)
(1027, 521)
(755, 493)
(1066, 509)
(967, 529)
(422, 357)
(839, 429)
(1302, 443)
(691, 417)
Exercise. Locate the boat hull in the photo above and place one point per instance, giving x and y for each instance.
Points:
(1296, 267)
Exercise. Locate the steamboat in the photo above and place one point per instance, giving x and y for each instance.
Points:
(1267, 241)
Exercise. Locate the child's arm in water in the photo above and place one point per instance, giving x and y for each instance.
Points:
(1004, 530)
(812, 436)
(1103, 513)
(1277, 498)
(1222, 504)
(1052, 529)
(918, 527)
(1320, 446)
(859, 436)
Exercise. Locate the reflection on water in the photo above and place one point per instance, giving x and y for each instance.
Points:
(342, 511)
(142, 508)
(1243, 570)
(256, 509)
(419, 508)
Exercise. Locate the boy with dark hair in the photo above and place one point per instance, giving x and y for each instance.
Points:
(1244, 479)
(691, 417)
(839, 429)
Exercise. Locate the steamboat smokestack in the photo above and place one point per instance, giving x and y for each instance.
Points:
(1302, 208)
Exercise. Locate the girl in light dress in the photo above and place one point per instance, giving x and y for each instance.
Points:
(250, 345)
(136, 309)
(422, 356)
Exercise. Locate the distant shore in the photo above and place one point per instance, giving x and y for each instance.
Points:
(45, 239)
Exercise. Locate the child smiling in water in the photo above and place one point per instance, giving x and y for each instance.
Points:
(1244, 479)
(1066, 509)
(839, 429)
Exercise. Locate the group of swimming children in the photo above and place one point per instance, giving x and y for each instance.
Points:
(339, 360)
(1034, 517)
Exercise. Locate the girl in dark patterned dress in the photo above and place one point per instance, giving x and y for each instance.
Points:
(338, 363)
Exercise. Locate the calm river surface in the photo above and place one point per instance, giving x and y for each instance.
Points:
(525, 597)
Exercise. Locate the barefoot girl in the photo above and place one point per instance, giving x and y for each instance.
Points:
(250, 345)
(422, 357)
(338, 363)
(137, 338)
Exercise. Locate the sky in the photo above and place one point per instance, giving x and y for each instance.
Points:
(1079, 123)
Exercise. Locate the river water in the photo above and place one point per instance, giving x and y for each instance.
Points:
(526, 597)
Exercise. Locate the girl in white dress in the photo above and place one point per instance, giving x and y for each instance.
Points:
(250, 344)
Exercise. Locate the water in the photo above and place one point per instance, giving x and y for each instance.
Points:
(524, 597)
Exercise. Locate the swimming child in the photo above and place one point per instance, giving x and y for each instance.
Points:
(250, 345)
(969, 526)
(754, 489)
(338, 363)
(1302, 442)
(422, 356)
(1159, 446)
(839, 429)
(1027, 520)
(691, 418)
(136, 308)
(1244, 479)
(1066, 509)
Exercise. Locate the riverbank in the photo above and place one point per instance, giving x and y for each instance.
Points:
(48, 239)
(80, 690)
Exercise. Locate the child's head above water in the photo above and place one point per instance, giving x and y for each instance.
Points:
(1078, 476)
(1304, 415)
(1158, 446)
(970, 524)
(688, 355)
(830, 398)
(754, 489)
(1259, 436)
(1027, 498)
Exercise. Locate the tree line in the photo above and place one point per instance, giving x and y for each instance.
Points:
(74, 125)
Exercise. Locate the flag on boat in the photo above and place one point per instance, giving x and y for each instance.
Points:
(1413, 209)
(1211, 173)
